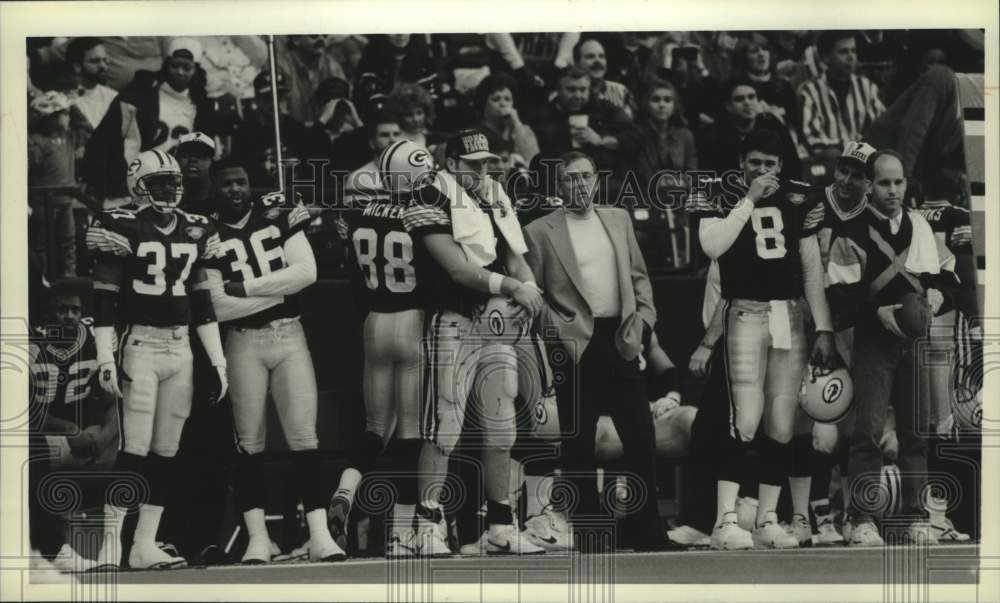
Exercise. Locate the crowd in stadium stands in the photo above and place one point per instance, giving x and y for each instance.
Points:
(640, 103)
(656, 113)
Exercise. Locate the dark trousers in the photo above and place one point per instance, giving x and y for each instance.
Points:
(883, 373)
(602, 382)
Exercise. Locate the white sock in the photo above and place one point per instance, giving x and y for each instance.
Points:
(537, 490)
(516, 480)
(114, 518)
(256, 523)
(402, 518)
(148, 524)
(348, 485)
(316, 520)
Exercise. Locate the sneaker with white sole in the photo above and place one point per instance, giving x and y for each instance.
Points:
(770, 535)
(689, 536)
(474, 549)
(431, 540)
(866, 534)
(322, 547)
(258, 551)
(801, 529)
(44, 571)
(922, 532)
(826, 531)
(507, 540)
(402, 544)
(549, 531)
(299, 553)
(729, 536)
(68, 561)
(146, 555)
(945, 530)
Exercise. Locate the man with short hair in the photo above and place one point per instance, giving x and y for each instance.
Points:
(194, 153)
(889, 253)
(89, 61)
(574, 120)
(589, 55)
(305, 62)
(600, 306)
(364, 183)
(838, 105)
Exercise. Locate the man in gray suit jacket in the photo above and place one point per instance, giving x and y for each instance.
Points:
(600, 312)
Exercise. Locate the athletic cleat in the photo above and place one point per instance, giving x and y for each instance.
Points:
(146, 555)
(430, 539)
(506, 540)
(945, 530)
(475, 549)
(921, 532)
(770, 535)
(299, 553)
(258, 551)
(549, 531)
(801, 529)
(337, 513)
(322, 547)
(401, 545)
(44, 571)
(68, 561)
(826, 531)
(866, 534)
(729, 536)
(847, 528)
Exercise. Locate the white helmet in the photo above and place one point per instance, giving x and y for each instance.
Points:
(827, 394)
(148, 167)
(502, 321)
(405, 166)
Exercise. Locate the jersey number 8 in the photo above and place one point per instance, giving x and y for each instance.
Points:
(400, 277)
(768, 226)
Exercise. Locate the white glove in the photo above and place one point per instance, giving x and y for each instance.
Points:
(107, 377)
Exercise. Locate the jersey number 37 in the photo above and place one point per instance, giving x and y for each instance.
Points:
(396, 251)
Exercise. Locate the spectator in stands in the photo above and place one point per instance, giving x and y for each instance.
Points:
(231, 63)
(838, 105)
(667, 143)
(336, 113)
(589, 55)
(391, 60)
(496, 99)
(753, 60)
(574, 120)
(719, 143)
(677, 58)
(347, 50)
(305, 63)
(153, 112)
(414, 107)
(52, 165)
(627, 58)
(195, 152)
(364, 183)
(89, 61)
(254, 145)
(128, 55)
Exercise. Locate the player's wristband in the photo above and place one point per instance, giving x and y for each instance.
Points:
(496, 283)
(706, 346)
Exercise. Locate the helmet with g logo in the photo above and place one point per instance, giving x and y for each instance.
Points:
(154, 178)
(405, 166)
(827, 394)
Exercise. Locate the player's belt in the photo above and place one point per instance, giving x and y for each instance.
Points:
(176, 333)
(274, 324)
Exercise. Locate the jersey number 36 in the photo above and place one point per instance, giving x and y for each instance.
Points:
(397, 252)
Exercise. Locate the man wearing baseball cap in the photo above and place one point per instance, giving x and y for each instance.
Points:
(195, 152)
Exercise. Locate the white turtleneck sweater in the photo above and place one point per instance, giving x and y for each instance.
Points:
(595, 256)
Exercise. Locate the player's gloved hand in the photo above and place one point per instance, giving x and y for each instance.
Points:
(762, 187)
(887, 316)
(217, 390)
(107, 378)
(934, 298)
(701, 361)
(824, 352)
(235, 289)
(529, 297)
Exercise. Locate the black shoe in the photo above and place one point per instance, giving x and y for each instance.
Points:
(213, 555)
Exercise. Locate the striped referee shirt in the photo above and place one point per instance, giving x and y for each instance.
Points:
(826, 123)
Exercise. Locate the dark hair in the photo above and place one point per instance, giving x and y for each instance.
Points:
(406, 97)
(571, 156)
(828, 39)
(377, 118)
(754, 40)
(579, 45)
(490, 85)
(226, 163)
(733, 84)
(573, 73)
(649, 86)
(870, 168)
(762, 141)
(78, 47)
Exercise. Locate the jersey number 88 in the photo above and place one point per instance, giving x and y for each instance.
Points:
(397, 252)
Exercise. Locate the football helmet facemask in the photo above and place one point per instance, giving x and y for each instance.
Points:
(154, 178)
